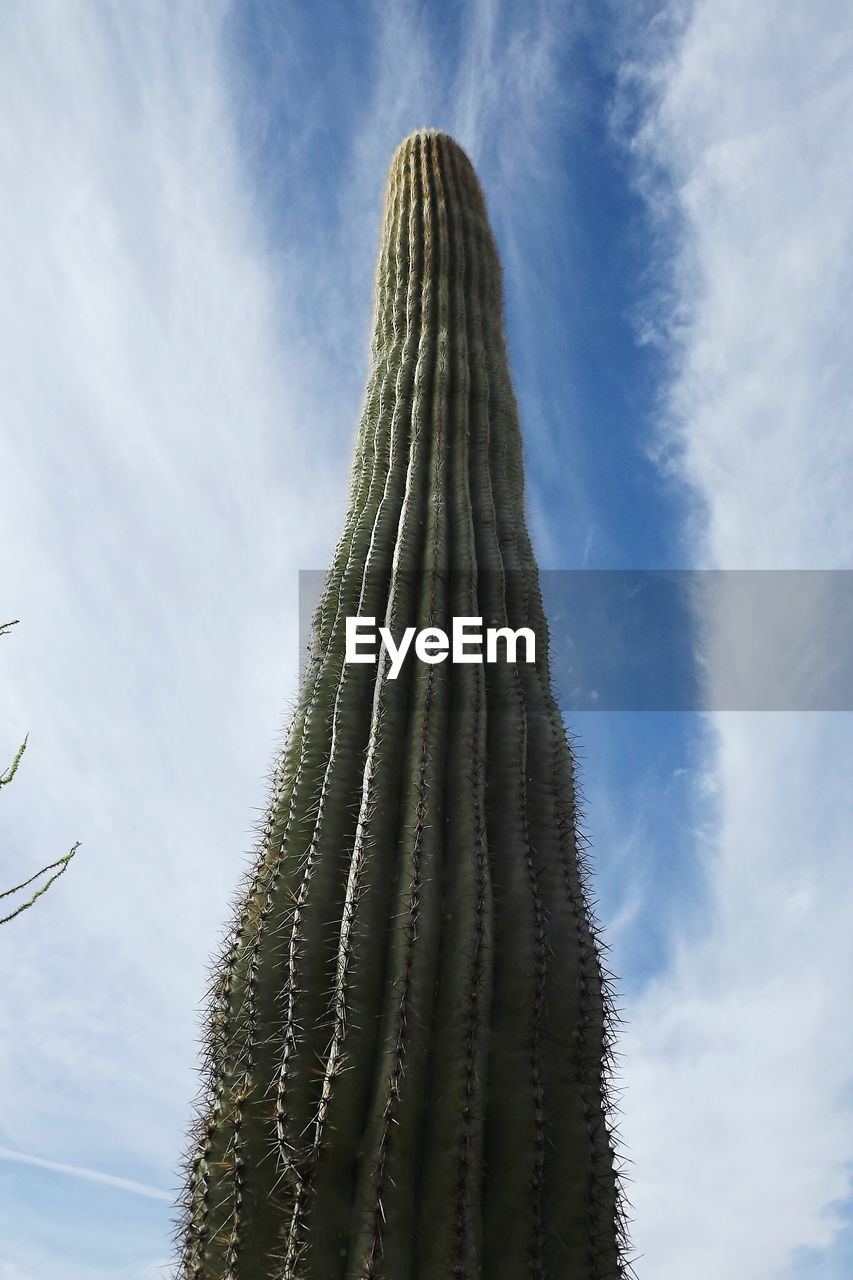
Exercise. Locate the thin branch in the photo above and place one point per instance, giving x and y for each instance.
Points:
(62, 863)
(11, 771)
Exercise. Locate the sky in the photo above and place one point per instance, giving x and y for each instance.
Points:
(187, 241)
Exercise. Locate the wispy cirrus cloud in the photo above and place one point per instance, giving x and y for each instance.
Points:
(168, 467)
(738, 1057)
(88, 1175)
(183, 346)
(154, 391)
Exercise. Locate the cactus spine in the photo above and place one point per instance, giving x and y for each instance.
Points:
(410, 1023)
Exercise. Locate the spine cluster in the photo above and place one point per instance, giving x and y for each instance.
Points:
(410, 1025)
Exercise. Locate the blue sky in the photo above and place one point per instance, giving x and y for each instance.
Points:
(188, 254)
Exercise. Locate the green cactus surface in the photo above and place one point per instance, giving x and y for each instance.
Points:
(410, 1031)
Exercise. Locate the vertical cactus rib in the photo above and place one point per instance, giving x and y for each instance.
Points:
(415, 928)
(384, 346)
(418, 567)
(322, 892)
(583, 1182)
(449, 1239)
(403, 507)
(514, 1115)
(410, 1027)
(290, 1139)
(276, 841)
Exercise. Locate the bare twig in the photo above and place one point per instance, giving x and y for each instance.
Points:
(61, 863)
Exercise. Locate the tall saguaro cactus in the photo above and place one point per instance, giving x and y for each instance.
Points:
(410, 1026)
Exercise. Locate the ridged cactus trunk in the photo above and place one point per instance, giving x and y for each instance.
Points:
(409, 1034)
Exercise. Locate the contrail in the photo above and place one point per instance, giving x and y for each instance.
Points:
(90, 1175)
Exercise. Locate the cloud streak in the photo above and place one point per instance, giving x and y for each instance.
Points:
(182, 362)
(738, 1111)
(168, 467)
(155, 395)
(87, 1175)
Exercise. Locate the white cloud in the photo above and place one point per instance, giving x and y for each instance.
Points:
(738, 1111)
(88, 1175)
(9, 1271)
(160, 395)
(168, 466)
(155, 403)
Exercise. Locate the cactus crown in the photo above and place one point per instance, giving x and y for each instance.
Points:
(410, 1026)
